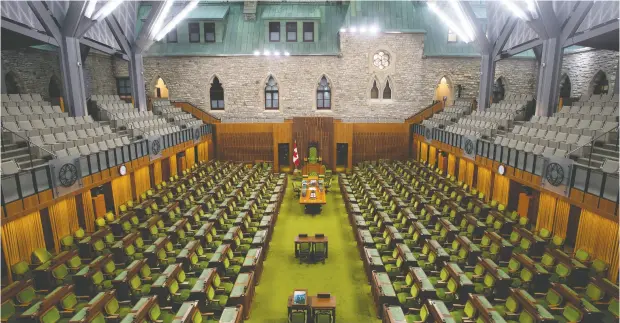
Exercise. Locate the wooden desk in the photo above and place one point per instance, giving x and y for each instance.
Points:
(323, 304)
(529, 304)
(504, 246)
(242, 292)
(83, 278)
(393, 314)
(253, 262)
(314, 195)
(312, 240)
(186, 313)
(43, 277)
(33, 313)
(94, 308)
(382, 291)
(261, 240)
(372, 262)
(232, 315)
(291, 305)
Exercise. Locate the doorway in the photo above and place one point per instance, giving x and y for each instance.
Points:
(161, 90)
(284, 156)
(443, 91)
(342, 155)
(54, 88)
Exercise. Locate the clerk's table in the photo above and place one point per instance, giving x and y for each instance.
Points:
(312, 195)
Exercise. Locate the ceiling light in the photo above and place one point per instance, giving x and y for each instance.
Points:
(276, 53)
(353, 29)
(448, 22)
(107, 9)
(515, 9)
(90, 9)
(374, 29)
(287, 54)
(159, 22)
(362, 29)
(531, 7)
(464, 21)
(343, 30)
(177, 19)
(256, 53)
(266, 53)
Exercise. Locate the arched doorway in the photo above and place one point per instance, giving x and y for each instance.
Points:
(499, 90)
(161, 90)
(565, 87)
(55, 91)
(444, 90)
(599, 84)
(12, 86)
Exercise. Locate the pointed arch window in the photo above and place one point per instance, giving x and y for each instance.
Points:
(324, 95)
(217, 95)
(272, 98)
(374, 92)
(387, 91)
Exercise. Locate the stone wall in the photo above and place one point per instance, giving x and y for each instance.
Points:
(99, 75)
(520, 74)
(34, 68)
(582, 66)
(413, 79)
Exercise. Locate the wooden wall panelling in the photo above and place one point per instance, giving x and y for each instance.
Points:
(245, 142)
(372, 141)
(315, 129)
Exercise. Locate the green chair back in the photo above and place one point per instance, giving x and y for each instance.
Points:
(26, 296)
(571, 313)
(69, 301)
(20, 268)
(594, 293)
(51, 316)
(7, 310)
(60, 272)
(40, 255)
(553, 298)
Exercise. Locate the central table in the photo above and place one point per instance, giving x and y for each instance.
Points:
(312, 195)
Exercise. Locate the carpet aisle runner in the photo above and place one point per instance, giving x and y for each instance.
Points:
(342, 274)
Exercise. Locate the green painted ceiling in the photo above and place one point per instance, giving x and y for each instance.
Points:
(237, 36)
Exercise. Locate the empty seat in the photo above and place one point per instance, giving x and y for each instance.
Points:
(73, 151)
(61, 153)
(61, 137)
(9, 167)
(84, 151)
(610, 166)
(81, 133)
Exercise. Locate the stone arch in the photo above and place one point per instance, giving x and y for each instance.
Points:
(12, 83)
(388, 82)
(500, 89)
(161, 89)
(54, 87)
(565, 86)
(374, 83)
(599, 83)
(444, 88)
(264, 88)
(328, 102)
(216, 100)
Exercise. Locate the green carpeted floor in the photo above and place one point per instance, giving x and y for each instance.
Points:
(342, 274)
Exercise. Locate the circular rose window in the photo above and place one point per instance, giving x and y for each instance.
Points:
(381, 60)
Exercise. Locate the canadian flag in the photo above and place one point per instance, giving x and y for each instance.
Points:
(295, 155)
